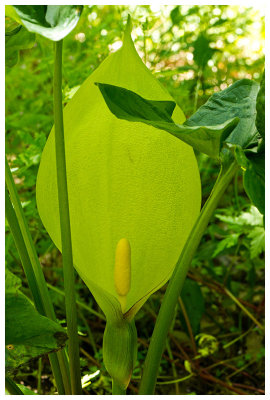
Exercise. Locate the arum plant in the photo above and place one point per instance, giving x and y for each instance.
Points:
(138, 192)
(134, 197)
(134, 193)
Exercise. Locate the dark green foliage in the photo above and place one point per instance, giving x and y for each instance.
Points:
(202, 50)
(260, 107)
(193, 300)
(239, 100)
(28, 334)
(253, 165)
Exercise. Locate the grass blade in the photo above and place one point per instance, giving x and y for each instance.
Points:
(34, 274)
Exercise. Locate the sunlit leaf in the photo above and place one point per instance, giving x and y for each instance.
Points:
(125, 180)
(257, 244)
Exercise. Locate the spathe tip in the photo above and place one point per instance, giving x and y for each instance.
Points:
(128, 28)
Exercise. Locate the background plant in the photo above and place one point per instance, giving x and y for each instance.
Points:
(26, 135)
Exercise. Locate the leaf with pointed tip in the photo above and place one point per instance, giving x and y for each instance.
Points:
(125, 180)
(52, 22)
(125, 104)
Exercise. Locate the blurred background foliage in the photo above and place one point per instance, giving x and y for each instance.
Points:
(194, 51)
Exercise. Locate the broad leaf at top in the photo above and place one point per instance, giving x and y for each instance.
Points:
(228, 116)
(125, 180)
(52, 22)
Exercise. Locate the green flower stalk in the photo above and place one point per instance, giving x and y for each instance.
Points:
(134, 195)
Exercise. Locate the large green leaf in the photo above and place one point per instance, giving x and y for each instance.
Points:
(28, 334)
(52, 22)
(228, 116)
(125, 104)
(125, 180)
(238, 100)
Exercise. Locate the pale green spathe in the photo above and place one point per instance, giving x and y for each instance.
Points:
(125, 180)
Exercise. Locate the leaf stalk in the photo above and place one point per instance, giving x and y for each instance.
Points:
(177, 280)
(69, 284)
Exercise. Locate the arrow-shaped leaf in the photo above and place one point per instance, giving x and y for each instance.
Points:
(125, 104)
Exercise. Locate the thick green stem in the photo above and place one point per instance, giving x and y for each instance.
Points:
(12, 388)
(69, 285)
(177, 280)
(34, 274)
(116, 389)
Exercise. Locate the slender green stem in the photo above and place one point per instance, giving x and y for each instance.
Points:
(244, 309)
(79, 303)
(39, 372)
(33, 271)
(116, 389)
(236, 191)
(176, 380)
(20, 245)
(198, 84)
(11, 387)
(225, 346)
(89, 332)
(170, 354)
(69, 285)
(175, 285)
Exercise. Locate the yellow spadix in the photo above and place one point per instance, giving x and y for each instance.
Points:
(122, 271)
